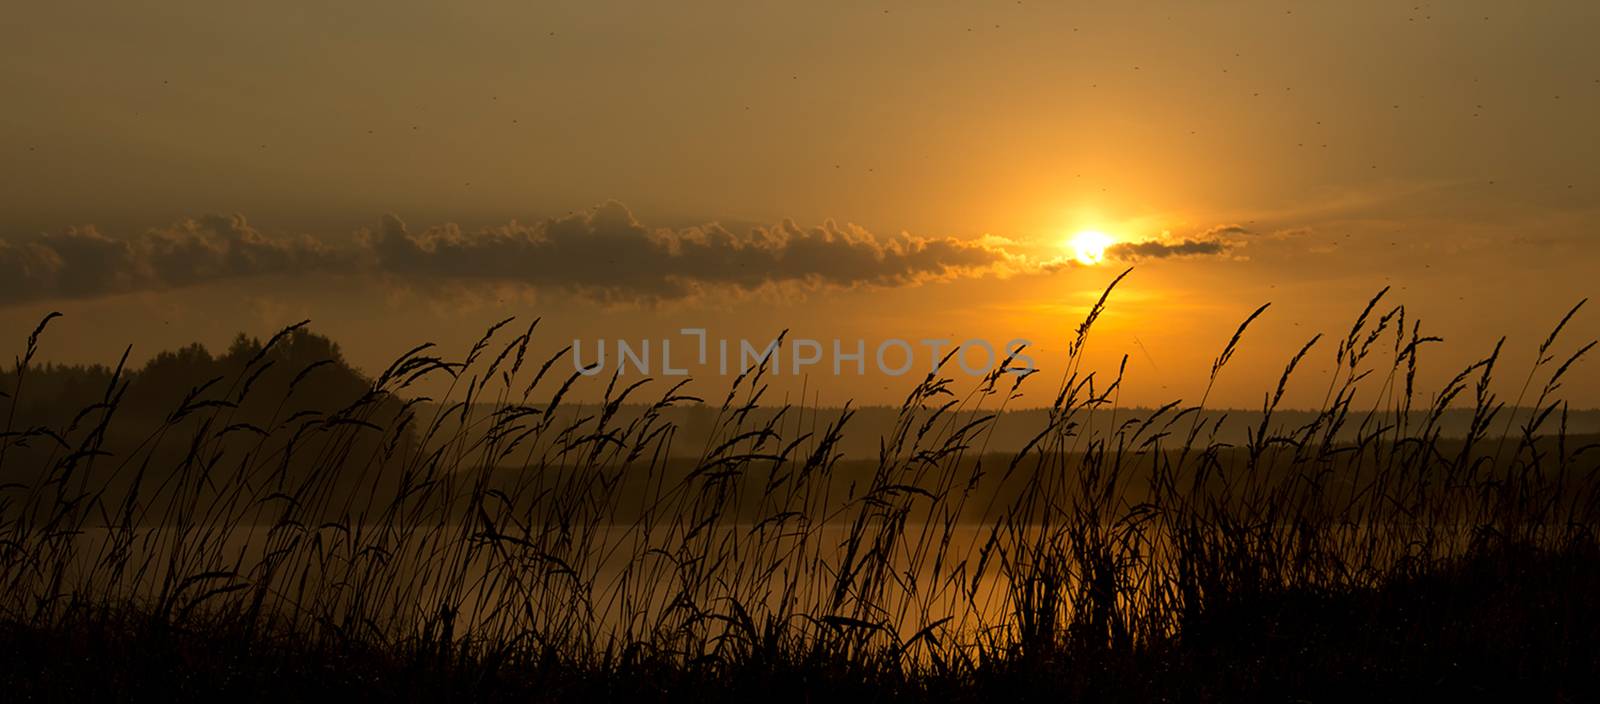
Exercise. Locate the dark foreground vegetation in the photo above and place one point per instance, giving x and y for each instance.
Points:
(1509, 625)
(285, 529)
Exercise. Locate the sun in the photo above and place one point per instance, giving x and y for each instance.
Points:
(1089, 246)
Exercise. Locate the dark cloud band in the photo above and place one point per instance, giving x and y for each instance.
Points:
(82, 262)
(1155, 249)
(604, 253)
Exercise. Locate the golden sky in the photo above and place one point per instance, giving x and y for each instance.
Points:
(405, 171)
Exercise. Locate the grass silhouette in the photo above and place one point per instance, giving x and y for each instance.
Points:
(248, 545)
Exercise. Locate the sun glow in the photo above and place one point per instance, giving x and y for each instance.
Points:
(1089, 246)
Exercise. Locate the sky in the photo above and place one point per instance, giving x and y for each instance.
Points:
(399, 172)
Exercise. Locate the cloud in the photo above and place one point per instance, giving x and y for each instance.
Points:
(82, 262)
(1155, 249)
(1215, 240)
(1223, 231)
(604, 253)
